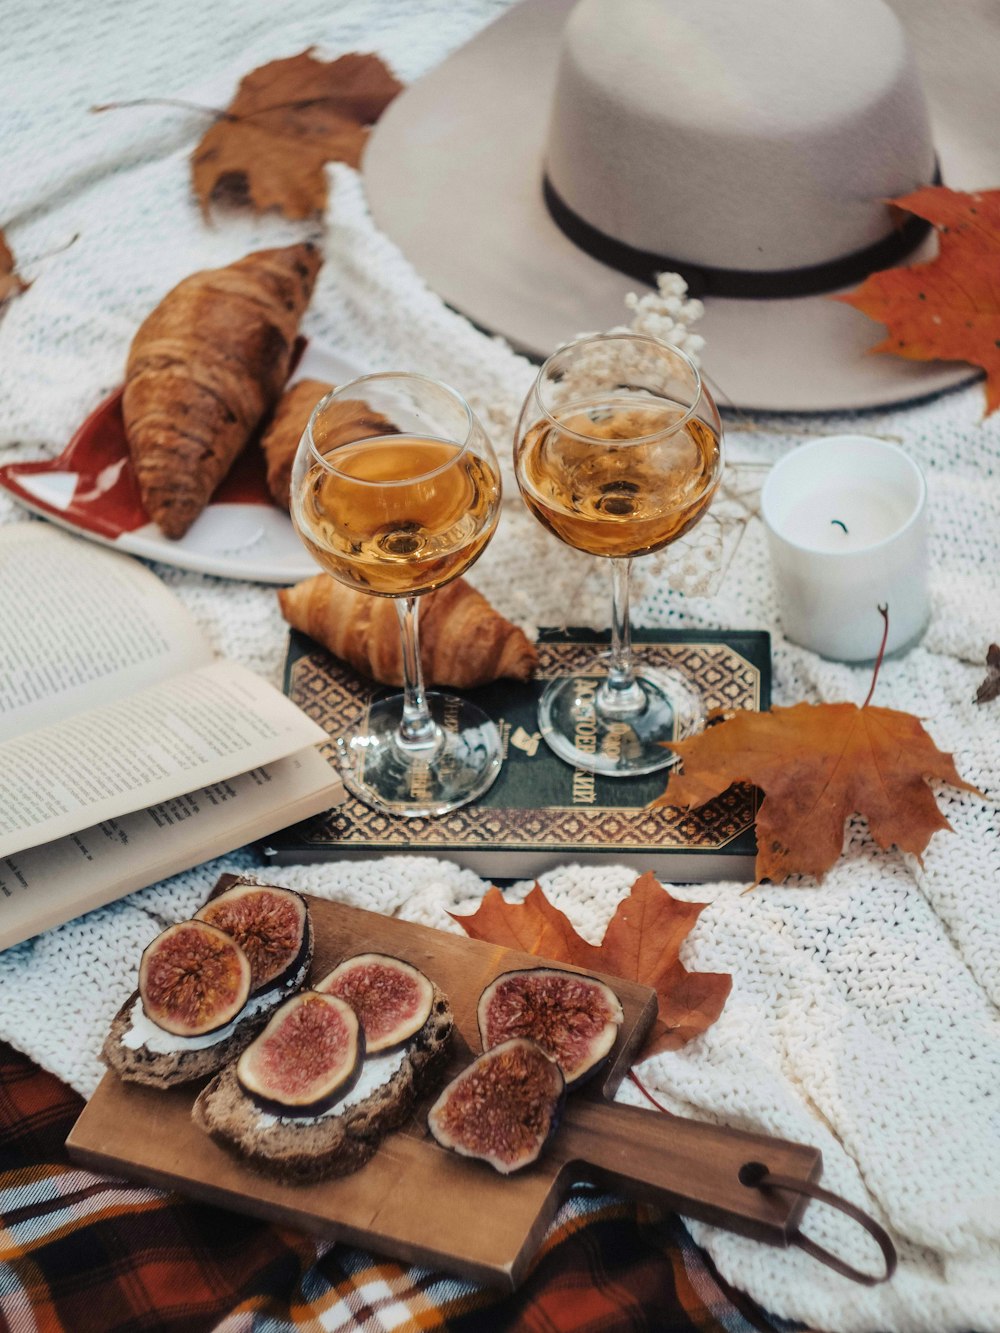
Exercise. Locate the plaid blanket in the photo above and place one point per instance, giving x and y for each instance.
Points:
(89, 1254)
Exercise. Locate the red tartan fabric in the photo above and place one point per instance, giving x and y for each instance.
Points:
(89, 1254)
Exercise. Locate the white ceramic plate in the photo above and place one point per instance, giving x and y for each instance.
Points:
(90, 489)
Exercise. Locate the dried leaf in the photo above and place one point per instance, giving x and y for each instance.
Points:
(642, 943)
(818, 764)
(11, 283)
(947, 309)
(990, 688)
(288, 119)
(534, 926)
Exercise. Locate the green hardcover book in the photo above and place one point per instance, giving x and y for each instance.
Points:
(541, 812)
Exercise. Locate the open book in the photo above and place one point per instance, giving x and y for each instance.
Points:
(127, 752)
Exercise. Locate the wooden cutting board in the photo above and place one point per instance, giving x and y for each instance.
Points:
(421, 1204)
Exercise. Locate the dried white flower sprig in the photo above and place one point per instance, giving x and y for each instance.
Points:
(667, 314)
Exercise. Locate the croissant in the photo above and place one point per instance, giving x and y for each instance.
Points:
(203, 370)
(281, 439)
(463, 641)
(343, 420)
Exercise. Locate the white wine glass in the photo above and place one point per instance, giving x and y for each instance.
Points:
(396, 491)
(618, 452)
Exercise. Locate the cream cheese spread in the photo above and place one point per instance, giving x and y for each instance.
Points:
(142, 1031)
(376, 1072)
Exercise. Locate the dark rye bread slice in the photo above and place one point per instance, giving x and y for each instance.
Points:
(165, 1069)
(298, 1153)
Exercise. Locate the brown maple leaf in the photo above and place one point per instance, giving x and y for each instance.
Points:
(11, 283)
(990, 688)
(817, 764)
(642, 943)
(949, 308)
(288, 119)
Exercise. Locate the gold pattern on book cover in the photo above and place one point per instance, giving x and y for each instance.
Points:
(332, 694)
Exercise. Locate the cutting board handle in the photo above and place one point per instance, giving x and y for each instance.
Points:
(749, 1183)
(688, 1166)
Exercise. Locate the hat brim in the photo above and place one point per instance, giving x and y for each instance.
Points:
(453, 172)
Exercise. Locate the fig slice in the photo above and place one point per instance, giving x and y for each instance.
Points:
(503, 1109)
(307, 1058)
(391, 998)
(573, 1017)
(193, 979)
(270, 924)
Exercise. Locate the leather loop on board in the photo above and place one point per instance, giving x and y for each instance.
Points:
(758, 1176)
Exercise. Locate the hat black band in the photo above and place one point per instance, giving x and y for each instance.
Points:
(748, 284)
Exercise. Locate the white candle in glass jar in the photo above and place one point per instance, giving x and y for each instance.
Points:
(846, 520)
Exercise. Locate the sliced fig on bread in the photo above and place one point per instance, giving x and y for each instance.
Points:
(193, 979)
(392, 999)
(300, 1149)
(270, 924)
(186, 1021)
(504, 1108)
(306, 1059)
(573, 1017)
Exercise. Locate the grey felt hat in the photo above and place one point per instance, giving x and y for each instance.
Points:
(569, 152)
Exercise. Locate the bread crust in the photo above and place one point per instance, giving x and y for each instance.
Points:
(333, 1145)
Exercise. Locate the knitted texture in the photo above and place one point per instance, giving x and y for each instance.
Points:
(863, 1013)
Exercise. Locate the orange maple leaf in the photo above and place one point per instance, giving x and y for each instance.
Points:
(642, 943)
(11, 283)
(949, 308)
(288, 119)
(817, 764)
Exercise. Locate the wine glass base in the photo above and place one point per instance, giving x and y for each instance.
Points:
(460, 764)
(618, 743)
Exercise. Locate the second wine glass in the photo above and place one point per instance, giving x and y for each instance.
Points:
(618, 452)
(396, 491)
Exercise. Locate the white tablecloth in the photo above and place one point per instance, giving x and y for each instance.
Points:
(863, 1014)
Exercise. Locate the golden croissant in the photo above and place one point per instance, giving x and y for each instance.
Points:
(281, 439)
(343, 422)
(204, 369)
(463, 641)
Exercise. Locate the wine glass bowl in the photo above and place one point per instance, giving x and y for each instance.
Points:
(618, 452)
(396, 491)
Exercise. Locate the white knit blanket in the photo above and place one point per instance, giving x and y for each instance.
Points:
(863, 1012)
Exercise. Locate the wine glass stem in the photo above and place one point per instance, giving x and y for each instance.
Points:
(417, 730)
(620, 694)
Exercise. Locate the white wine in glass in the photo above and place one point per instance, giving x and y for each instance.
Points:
(619, 452)
(398, 502)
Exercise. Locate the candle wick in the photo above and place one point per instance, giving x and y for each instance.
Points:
(837, 522)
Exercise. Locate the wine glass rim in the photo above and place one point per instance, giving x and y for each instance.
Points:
(461, 446)
(595, 338)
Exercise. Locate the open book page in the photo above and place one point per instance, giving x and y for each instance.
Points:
(47, 885)
(182, 733)
(80, 626)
